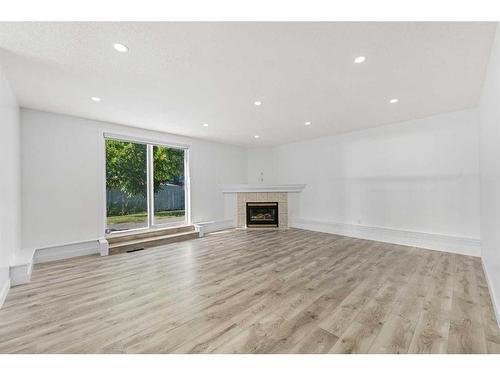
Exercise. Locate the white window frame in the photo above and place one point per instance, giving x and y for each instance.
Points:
(150, 178)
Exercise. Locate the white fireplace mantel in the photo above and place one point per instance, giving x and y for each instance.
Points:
(261, 188)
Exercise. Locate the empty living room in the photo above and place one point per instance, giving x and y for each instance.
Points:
(243, 186)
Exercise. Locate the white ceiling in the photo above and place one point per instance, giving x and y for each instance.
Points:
(178, 76)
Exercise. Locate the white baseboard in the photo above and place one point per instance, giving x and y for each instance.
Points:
(71, 250)
(21, 267)
(214, 226)
(103, 245)
(21, 273)
(495, 303)
(4, 290)
(451, 244)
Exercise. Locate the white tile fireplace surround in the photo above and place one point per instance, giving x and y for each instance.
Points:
(237, 196)
(261, 197)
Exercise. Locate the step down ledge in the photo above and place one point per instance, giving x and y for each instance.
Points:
(123, 247)
(149, 234)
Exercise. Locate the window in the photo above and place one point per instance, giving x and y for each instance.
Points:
(169, 189)
(145, 185)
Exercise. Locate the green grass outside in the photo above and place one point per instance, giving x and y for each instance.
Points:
(143, 217)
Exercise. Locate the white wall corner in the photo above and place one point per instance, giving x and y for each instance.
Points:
(21, 273)
(491, 289)
(230, 206)
(103, 247)
(432, 241)
(4, 290)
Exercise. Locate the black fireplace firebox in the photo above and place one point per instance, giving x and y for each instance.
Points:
(262, 214)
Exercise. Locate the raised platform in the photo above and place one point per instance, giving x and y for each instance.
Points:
(128, 242)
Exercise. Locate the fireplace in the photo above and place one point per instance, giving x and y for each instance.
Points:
(262, 214)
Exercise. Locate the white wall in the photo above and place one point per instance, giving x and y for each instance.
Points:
(489, 114)
(63, 176)
(418, 176)
(261, 166)
(10, 180)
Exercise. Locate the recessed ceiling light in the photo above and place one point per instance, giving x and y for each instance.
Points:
(205, 125)
(95, 99)
(256, 136)
(394, 100)
(360, 59)
(257, 103)
(307, 123)
(120, 47)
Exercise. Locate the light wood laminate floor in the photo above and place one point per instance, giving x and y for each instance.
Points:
(290, 291)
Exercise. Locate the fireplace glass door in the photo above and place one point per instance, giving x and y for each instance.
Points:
(262, 214)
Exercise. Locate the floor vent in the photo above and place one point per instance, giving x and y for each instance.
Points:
(134, 250)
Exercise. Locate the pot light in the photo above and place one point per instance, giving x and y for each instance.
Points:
(257, 102)
(256, 136)
(307, 123)
(394, 100)
(360, 59)
(120, 47)
(95, 99)
(205, 125)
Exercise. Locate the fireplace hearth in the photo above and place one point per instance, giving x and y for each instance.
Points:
(262, 214)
